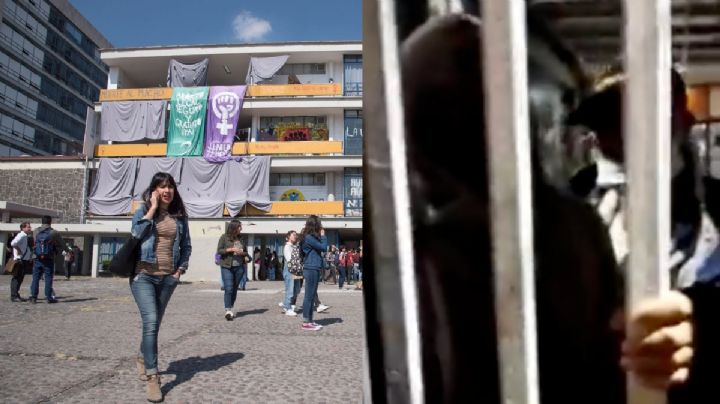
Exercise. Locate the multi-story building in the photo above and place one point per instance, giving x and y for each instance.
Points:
(322, 176)
(50, 73)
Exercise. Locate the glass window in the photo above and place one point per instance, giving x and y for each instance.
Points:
(284, 179)
(308, 179)
(319, 179)
(296, 180)
(73, 32)
(353, 75)
(301, 68)
(274, 180)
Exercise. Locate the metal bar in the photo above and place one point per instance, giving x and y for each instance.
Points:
(395, 121)
(395, 314)
(441, 7)
(647, 138)
(506, 89)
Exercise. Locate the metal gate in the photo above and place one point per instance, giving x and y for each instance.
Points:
(396, 368)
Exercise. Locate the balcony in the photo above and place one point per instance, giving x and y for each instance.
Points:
(286, 208)
(239, 148)
(254, 91)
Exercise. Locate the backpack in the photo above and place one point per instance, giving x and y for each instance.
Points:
(295, 265)
(44, 245)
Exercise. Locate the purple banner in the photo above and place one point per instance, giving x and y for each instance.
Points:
(224, 106)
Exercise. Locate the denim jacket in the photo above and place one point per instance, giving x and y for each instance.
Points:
(312, 247)
(181, 246)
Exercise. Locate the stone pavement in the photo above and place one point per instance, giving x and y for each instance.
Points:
(81, 350)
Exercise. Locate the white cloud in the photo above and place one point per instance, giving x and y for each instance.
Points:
(249, 28)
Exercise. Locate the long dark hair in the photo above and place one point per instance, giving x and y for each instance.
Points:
(312, 226)
(176, 208)
(231, 232)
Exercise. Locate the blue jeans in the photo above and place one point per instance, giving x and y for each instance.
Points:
(312, 277)
(231, 280)
(297, 286)
(342, 271)
(243, 280)
(289, 286)
(46, 266)
(152, 294)
(271, 273)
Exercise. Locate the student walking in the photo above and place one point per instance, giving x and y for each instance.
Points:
(162, 225)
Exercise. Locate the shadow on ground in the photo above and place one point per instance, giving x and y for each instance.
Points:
(329, 321)
(66, 300)
(250, 312)
(186, 369)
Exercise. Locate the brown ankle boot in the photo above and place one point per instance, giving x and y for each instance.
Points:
(141, 369)
(154, 394)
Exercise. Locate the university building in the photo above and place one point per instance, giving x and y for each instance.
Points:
(300, 124)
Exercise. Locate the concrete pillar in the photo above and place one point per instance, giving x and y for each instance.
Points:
(331, 72)
(251, 264)
(330, 185)
(255, 124)
(3, 243)
(95, 259)
(113, 78)
(87, 256)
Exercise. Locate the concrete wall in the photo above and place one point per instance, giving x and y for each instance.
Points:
(57, 189)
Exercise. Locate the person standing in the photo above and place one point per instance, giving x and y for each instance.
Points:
(288, 306)
(161, 223)
(272, 266)
(232, 265)
(257, 261)
(314, 243)
(69, 259)
(356, 265)
(342, 267)
(22, 254)
(47, 244)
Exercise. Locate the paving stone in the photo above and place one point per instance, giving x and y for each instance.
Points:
(81, 350)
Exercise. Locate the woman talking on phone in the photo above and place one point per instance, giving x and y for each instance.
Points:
(162, 225)
(232, 264)
(313, 244)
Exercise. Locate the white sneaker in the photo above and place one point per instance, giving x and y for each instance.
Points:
(322, 308)
(281, 304)
(229, 315)
(293, 308)
(290, 313)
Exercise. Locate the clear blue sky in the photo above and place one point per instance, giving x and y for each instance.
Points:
(129, 23)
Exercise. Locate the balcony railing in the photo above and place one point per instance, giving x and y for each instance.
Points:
(286, 208)
(263, 90)
(239, 148)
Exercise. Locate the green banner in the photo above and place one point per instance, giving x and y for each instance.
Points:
(186, 131)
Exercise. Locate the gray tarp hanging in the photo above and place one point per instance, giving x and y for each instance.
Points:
(202, 187)
(111, 194)
(128, 121)
(264, 68)
(187, 75)
(248, 182)
(147, 167)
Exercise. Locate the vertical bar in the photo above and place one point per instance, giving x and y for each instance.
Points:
(389, 215)
(506, 98)
(395, 134)
(647, 136)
